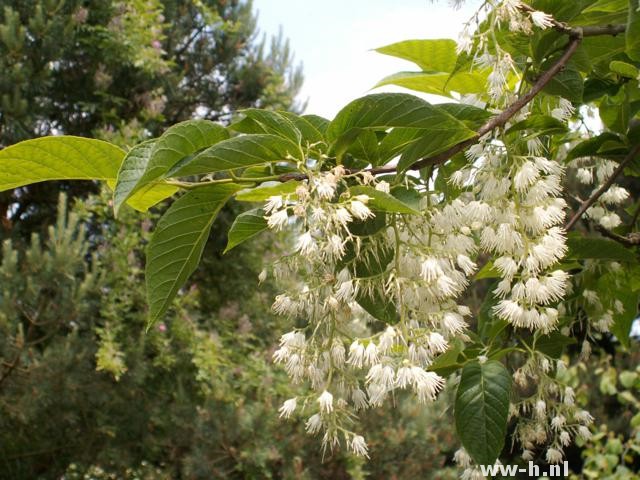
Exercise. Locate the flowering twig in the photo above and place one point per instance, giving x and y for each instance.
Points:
(635, 151)
(576, 34)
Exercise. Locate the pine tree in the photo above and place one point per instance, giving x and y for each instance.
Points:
(125, 70)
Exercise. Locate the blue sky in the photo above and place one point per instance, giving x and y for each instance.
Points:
(334, 39)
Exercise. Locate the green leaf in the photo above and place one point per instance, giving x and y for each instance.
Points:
(369, 226)
(371, 260)
(237, 152)
(311, 134)
(567, 83)
(632, 33)
(430, 55)
(447, 363)
(482, 409)
(265, 121)
(378, 305)
(131, 170)
(246, 225)
(320, 123)
(597, 247)
(541, 124)
(438, 83)
(178, 241)
(553, 344)
(386, 110)
(473, 117)
(624, 69)
(58, 158)
(607, 144)
(383, 201)
(264, 191)
(175, 145)
(432, 143)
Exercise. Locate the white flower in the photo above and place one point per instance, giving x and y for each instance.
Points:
(565, 438)
(262, 276)
(584, 433)
(465, 41)
(360, 210)
(283, 305)
(273, 203)
(288, 407)
(558, 422)
(314, 424)
(359, 399)
(386, 339)
(277, 220)
(430, 269)
(326, 186)
(610, 221)
(437, 343)
(584, 175)
(306, 245)
(381, 375)
(583, 417)
(356, 354)
(338, 353)
(426, 384)
(462, 458)
(383, 187)
(453, 323)
(359, 446)
(614, 195)
(554, 455)
(541, 408)
(336, 246)
(466, 264)
(342, 216)
(345, 291)
(541, 19)
(326, 402)
(371, 354)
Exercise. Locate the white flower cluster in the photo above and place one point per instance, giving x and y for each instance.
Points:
(414, 267)
(549, 418)
(593, 173)
(488, 54)
(521, 213)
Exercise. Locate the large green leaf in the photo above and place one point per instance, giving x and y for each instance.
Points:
(438, 83)
(58, 158)
(266, 190)
(237, 152)
(430, 144)
(246, 225)
(383, 201)
(178, 142)
(131, 170)
(597, 247)
(632, 33)
(379, 306)
(482, 409)
(553, 344)
(386, 110)
(178, 241)
(430, 55)
(567, 83)
(266, 121)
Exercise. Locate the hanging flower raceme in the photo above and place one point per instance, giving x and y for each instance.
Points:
(417, 266)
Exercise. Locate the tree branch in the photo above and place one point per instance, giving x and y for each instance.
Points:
(605, 186)
(631, 240)
(576, 34)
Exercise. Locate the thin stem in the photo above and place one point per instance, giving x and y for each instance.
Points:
(605, 186)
